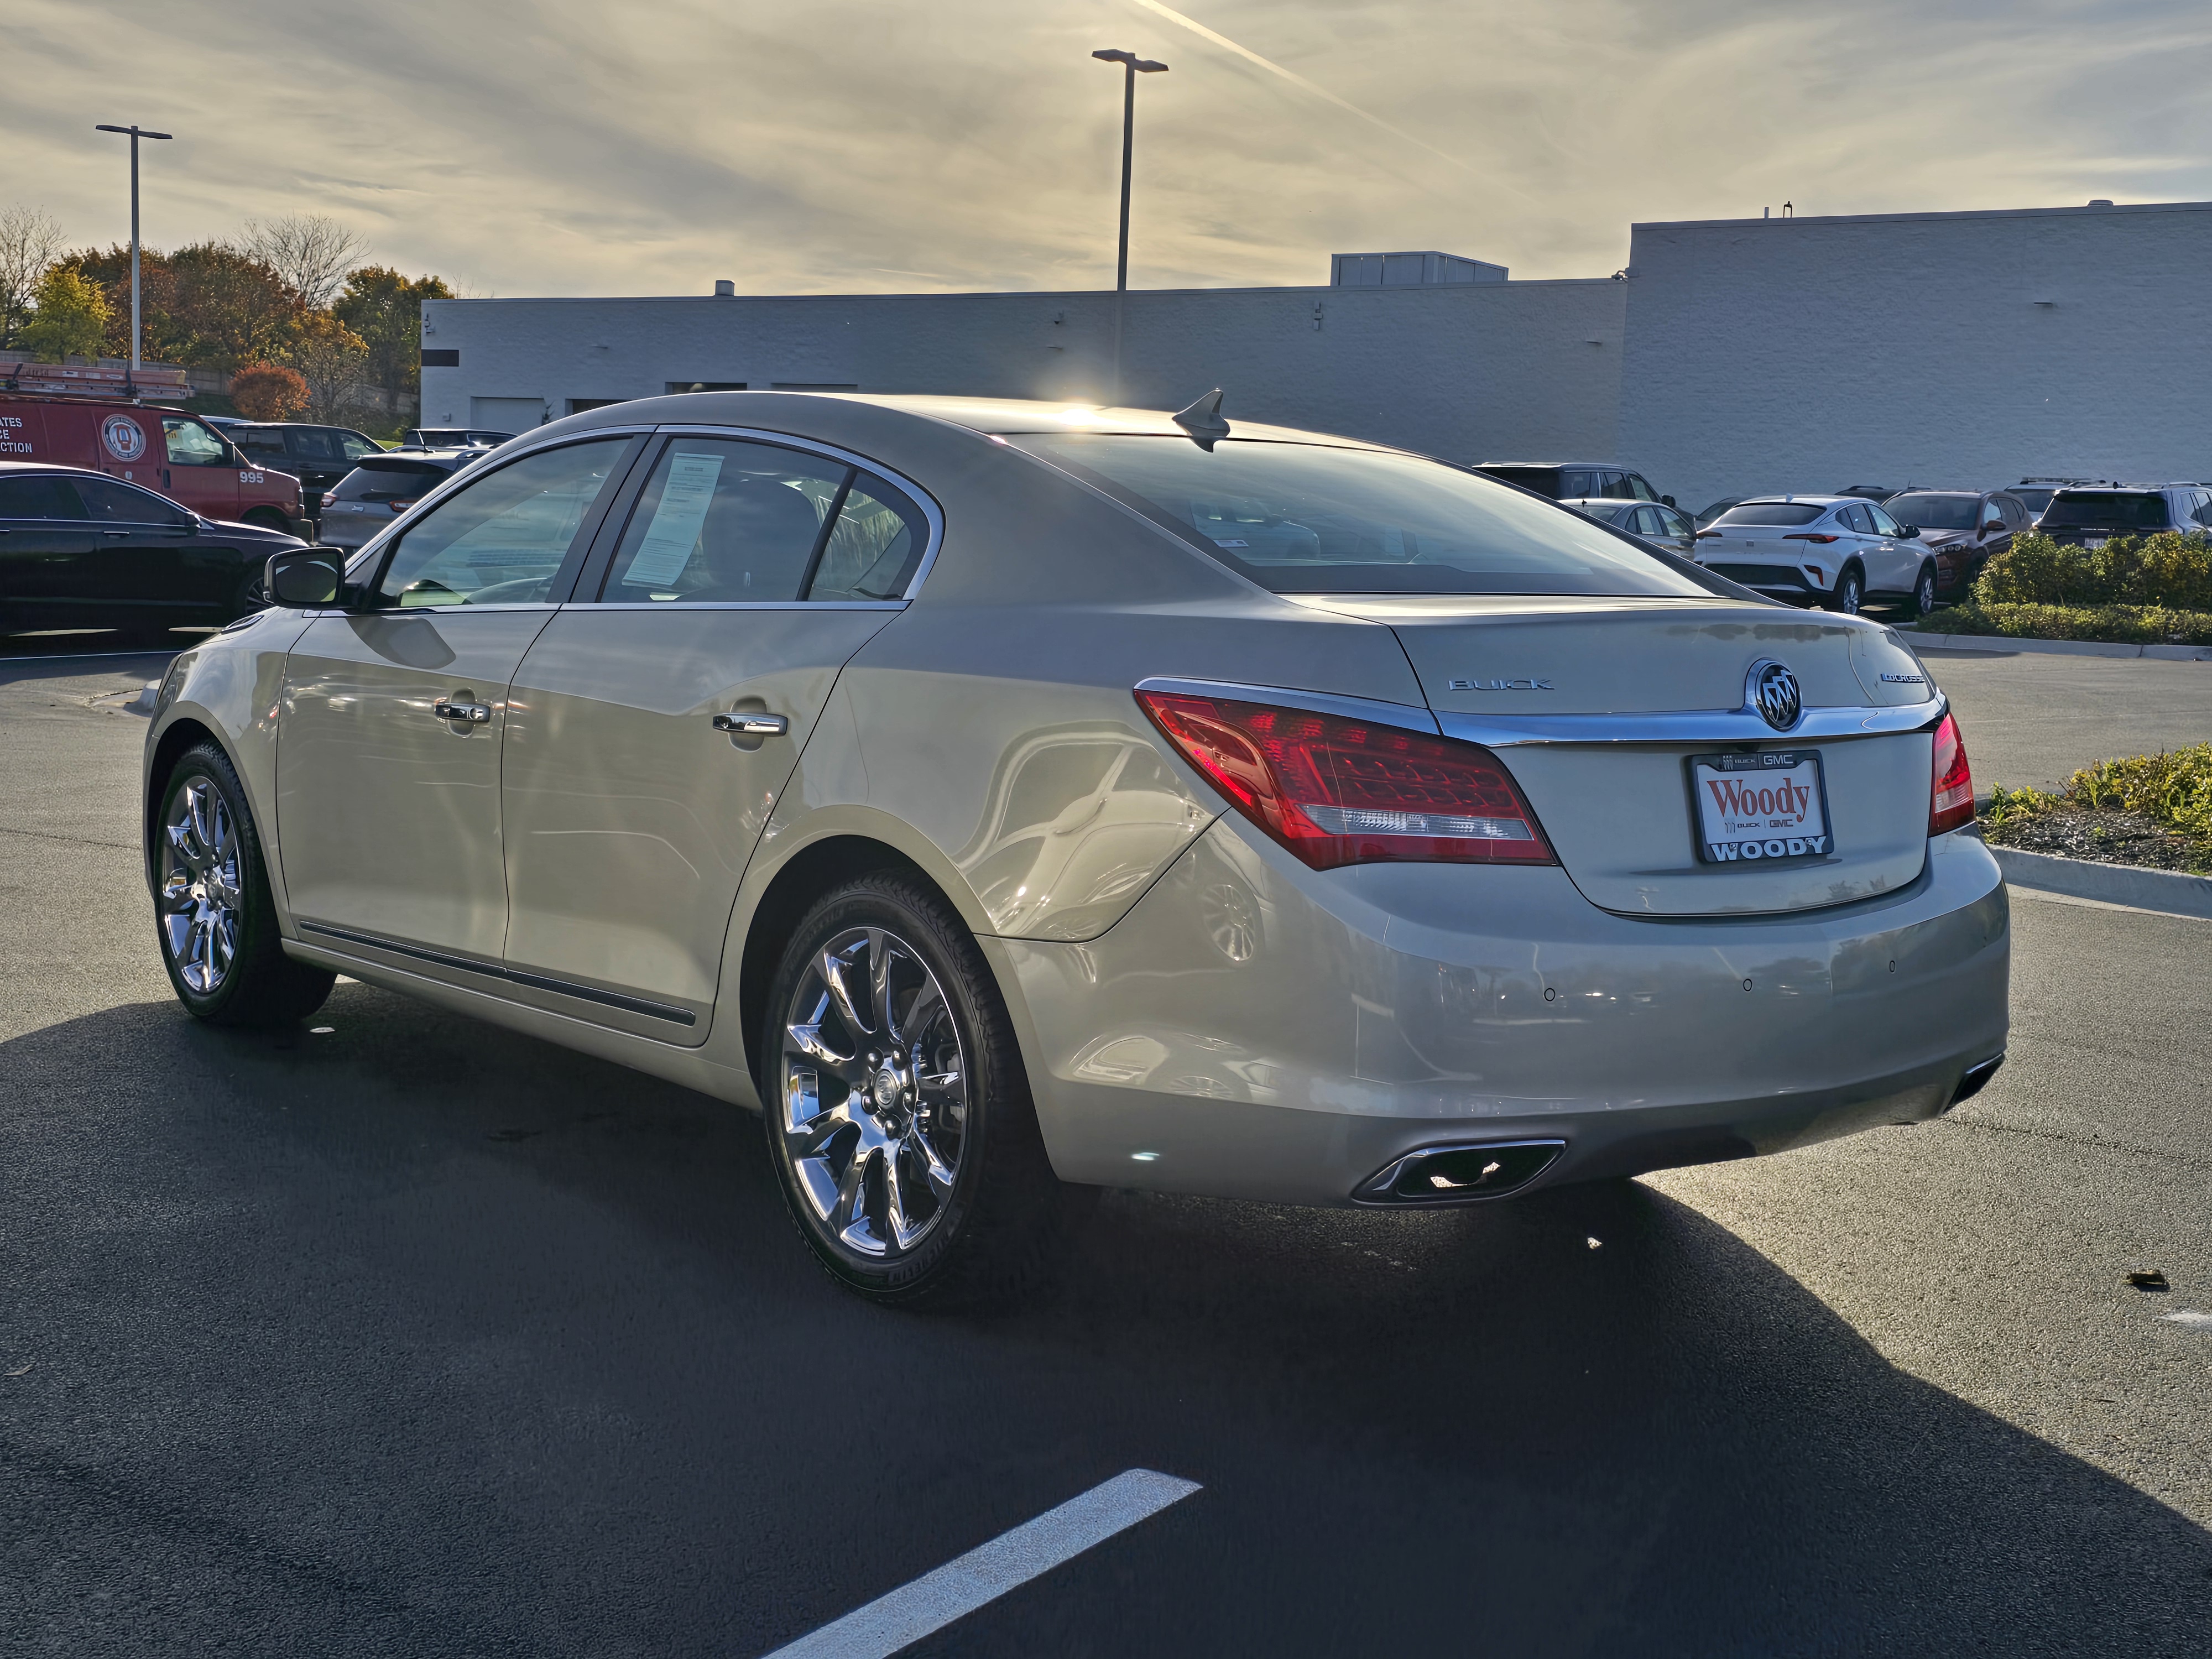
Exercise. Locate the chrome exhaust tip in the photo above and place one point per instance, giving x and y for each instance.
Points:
(1459, 1173)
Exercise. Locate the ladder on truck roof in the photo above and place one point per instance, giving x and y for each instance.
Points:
(113, 382)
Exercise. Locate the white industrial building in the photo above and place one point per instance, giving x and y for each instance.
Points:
(1730, 354)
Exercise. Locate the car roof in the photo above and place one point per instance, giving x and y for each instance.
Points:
(1807, 501)
(991, 417)
(1610, 467)
(12, 468)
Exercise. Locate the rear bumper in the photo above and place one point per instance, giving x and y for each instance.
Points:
(1252, 1028)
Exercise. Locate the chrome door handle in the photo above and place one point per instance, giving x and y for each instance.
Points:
(115, 535)
(475, 713)
(753, 725)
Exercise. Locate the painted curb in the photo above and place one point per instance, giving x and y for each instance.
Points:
(2002, 644)
(2115, 884)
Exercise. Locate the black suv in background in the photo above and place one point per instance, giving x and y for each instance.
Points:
(2092, 517)
(1576, 481)
(319, 456)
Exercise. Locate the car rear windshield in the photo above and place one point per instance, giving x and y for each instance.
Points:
(1777, 513)
(1934, 511)
(1316, 518)
(2109, 509)
(389, 479)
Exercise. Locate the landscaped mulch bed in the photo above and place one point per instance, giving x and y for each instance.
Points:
(2112, 836)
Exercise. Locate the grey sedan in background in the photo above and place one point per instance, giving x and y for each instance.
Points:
(383, 486)
(1009, 801)
(1669, 526)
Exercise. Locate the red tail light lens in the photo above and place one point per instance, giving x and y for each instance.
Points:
(1803, 535)
(1952, 804)
(1337, 791)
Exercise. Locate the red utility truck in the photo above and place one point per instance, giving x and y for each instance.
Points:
(84, 416)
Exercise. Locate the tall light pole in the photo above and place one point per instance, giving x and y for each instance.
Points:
(137, 133)
(1132, 67)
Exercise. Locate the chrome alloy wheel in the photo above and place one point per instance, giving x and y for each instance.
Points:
(875, 1092)
(200, 885)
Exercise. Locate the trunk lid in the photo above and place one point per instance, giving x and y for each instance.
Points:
(1619, 812)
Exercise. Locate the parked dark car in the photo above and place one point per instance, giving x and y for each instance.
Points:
(1575, 480)
(383, 487)
(2035, 494)
(1964, 529)
(319, 456)
(455, 437)
(80, 549)
(2090, 518)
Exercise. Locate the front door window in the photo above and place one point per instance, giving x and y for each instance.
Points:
(502, 539)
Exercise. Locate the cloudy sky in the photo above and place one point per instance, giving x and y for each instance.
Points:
(651, 146)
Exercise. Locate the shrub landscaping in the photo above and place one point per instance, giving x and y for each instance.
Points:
(2153, 809)
(2134, 589)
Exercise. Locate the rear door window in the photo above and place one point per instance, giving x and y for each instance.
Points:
(40, 498)
(1321, 518)
(729, 521)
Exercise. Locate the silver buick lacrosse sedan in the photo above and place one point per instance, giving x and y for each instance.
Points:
(1009, 801)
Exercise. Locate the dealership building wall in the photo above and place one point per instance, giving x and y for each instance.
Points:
(1735, 354)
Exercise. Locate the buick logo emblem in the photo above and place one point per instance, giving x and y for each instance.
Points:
(1772, 689)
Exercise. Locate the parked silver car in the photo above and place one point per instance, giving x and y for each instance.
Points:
(1838, 551)
(1015, 800)
(1668, 526)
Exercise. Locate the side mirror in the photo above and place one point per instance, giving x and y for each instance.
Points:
(1911, 533)
(1667, 501)
(309, 578)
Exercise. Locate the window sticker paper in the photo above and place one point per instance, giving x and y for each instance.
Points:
(685, 495)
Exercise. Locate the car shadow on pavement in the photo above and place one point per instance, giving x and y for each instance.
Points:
(415, 1336)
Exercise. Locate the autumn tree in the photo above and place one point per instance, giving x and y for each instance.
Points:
(30, 241)
(269, 391)
(329, 357)
(69, 318)
(386, 310)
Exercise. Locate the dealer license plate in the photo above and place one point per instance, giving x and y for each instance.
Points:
(1761, 807)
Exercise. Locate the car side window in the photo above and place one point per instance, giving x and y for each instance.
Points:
(874, 547)
(1883, 524)
(40, 498)
(725, 521)
(1640, 487)
(1993, 516)
(108, 501)
(501, 539)
(1672, 523)
(191, 444)
(312, 444)
(1576, 485)
(2204, 508)
(352, 446)
(261, 445)
(1855, 517)
(1617, 487)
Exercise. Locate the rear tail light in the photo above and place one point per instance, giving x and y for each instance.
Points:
(1808, 536)
(1952, 803)
(399, 507)
(1336, 791)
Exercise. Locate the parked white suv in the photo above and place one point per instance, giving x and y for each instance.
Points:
(1838, 551)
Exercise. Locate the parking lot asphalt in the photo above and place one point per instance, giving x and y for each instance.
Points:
(402, 1335)
(2032, 718)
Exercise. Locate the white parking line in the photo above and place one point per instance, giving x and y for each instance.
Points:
(989, 1571)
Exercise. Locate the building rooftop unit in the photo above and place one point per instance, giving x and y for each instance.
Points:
(1426, 269)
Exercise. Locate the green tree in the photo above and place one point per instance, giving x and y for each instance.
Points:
(229, 308)
(386, 310)
(69, 318)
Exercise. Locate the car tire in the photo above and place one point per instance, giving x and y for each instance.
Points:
(1923, 591)
(1849, 597)
(215, 918)
(268, 518)
(897, 1107)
